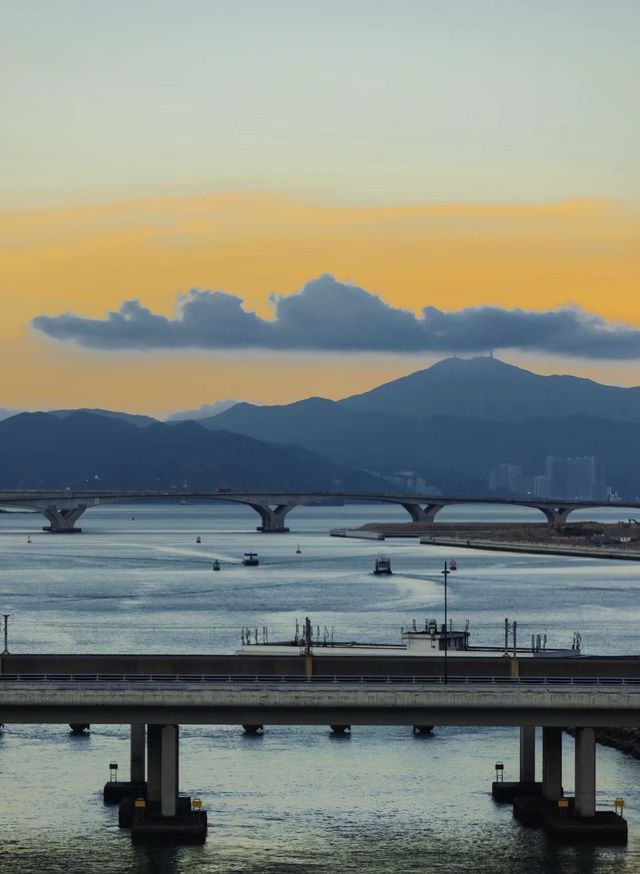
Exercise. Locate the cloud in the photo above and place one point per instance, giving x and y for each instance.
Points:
(330, 316)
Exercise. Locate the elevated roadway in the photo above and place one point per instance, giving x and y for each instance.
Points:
(62, 509)
(324, 700)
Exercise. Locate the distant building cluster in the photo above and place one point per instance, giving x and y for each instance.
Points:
(409, 483)
(580, 479)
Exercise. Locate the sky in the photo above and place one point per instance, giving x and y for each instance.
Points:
(271, 200)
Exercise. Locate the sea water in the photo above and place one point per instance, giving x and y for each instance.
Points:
(296, 799)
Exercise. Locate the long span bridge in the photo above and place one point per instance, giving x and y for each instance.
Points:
(62, 509)
(556, 693)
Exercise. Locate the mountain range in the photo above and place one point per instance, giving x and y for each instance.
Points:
(92, 450)
(448, 424)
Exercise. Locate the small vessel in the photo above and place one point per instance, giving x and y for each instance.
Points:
(216, 565)
(250, 559)
(28, 539)
(452, 565)
(298, 550)
(198, 539)
(382, 566)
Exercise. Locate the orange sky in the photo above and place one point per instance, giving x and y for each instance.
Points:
(89, 258)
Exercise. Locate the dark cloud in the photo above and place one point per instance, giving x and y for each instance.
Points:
(327, 315)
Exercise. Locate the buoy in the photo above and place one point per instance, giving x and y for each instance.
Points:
(198, 539)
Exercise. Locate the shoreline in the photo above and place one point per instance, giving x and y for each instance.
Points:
(533, 548)
(619, 541)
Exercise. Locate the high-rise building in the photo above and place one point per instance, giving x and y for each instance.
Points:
(508, 479)
(577, 479)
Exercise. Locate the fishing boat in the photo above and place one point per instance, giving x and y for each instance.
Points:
(250, 559)
(216, 565)
(431, 640)
(382, 566)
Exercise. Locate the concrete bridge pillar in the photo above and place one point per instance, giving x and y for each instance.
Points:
(527, 754)
(272, 518)
(62, 520)
(424, 514)
(154, 767)
(166, 815)
(551, 763)
(556, 515)
(169, 770)
(585, 772)
(138, 755)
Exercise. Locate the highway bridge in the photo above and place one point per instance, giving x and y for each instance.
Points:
(62, 509)
(138, 690)
(156, 705)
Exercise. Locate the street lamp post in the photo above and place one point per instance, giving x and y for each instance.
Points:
(5, 651)
(446, 572)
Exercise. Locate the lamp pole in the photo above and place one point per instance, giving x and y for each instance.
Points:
(5, 651)
(445, 573)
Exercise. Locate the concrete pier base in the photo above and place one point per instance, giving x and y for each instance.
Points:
(79, 728)
(341, 730)
(183, 828)
(604, 828)
(272, 530)
(51, 530)
(529, 809)
(506, 792)
(422, 730)
(253, 729)
(127, 809)
(116, 790)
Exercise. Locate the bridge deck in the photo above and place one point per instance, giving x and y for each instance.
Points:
(357, 700)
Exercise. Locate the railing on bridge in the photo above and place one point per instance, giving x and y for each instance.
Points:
(94, 680)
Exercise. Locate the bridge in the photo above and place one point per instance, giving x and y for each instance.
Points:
(156, 705)
(156, 694)
(62, 509)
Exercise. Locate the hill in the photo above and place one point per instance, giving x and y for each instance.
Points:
(486, 388)
(83, 450)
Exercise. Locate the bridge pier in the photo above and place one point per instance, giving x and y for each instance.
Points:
(62, 519)
(272, 518)
(556, 515)
(551, 763)
(166, 816)
(585, 772)
(426, 514)
(578, 821)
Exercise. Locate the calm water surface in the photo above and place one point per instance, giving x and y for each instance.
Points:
(296, 799)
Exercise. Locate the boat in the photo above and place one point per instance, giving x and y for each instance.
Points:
(250, 559)
(216, 565)
(382, 566)
(432, 640)
(198, 539)
(298, 550)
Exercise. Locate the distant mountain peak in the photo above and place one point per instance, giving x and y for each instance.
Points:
(488, 388)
